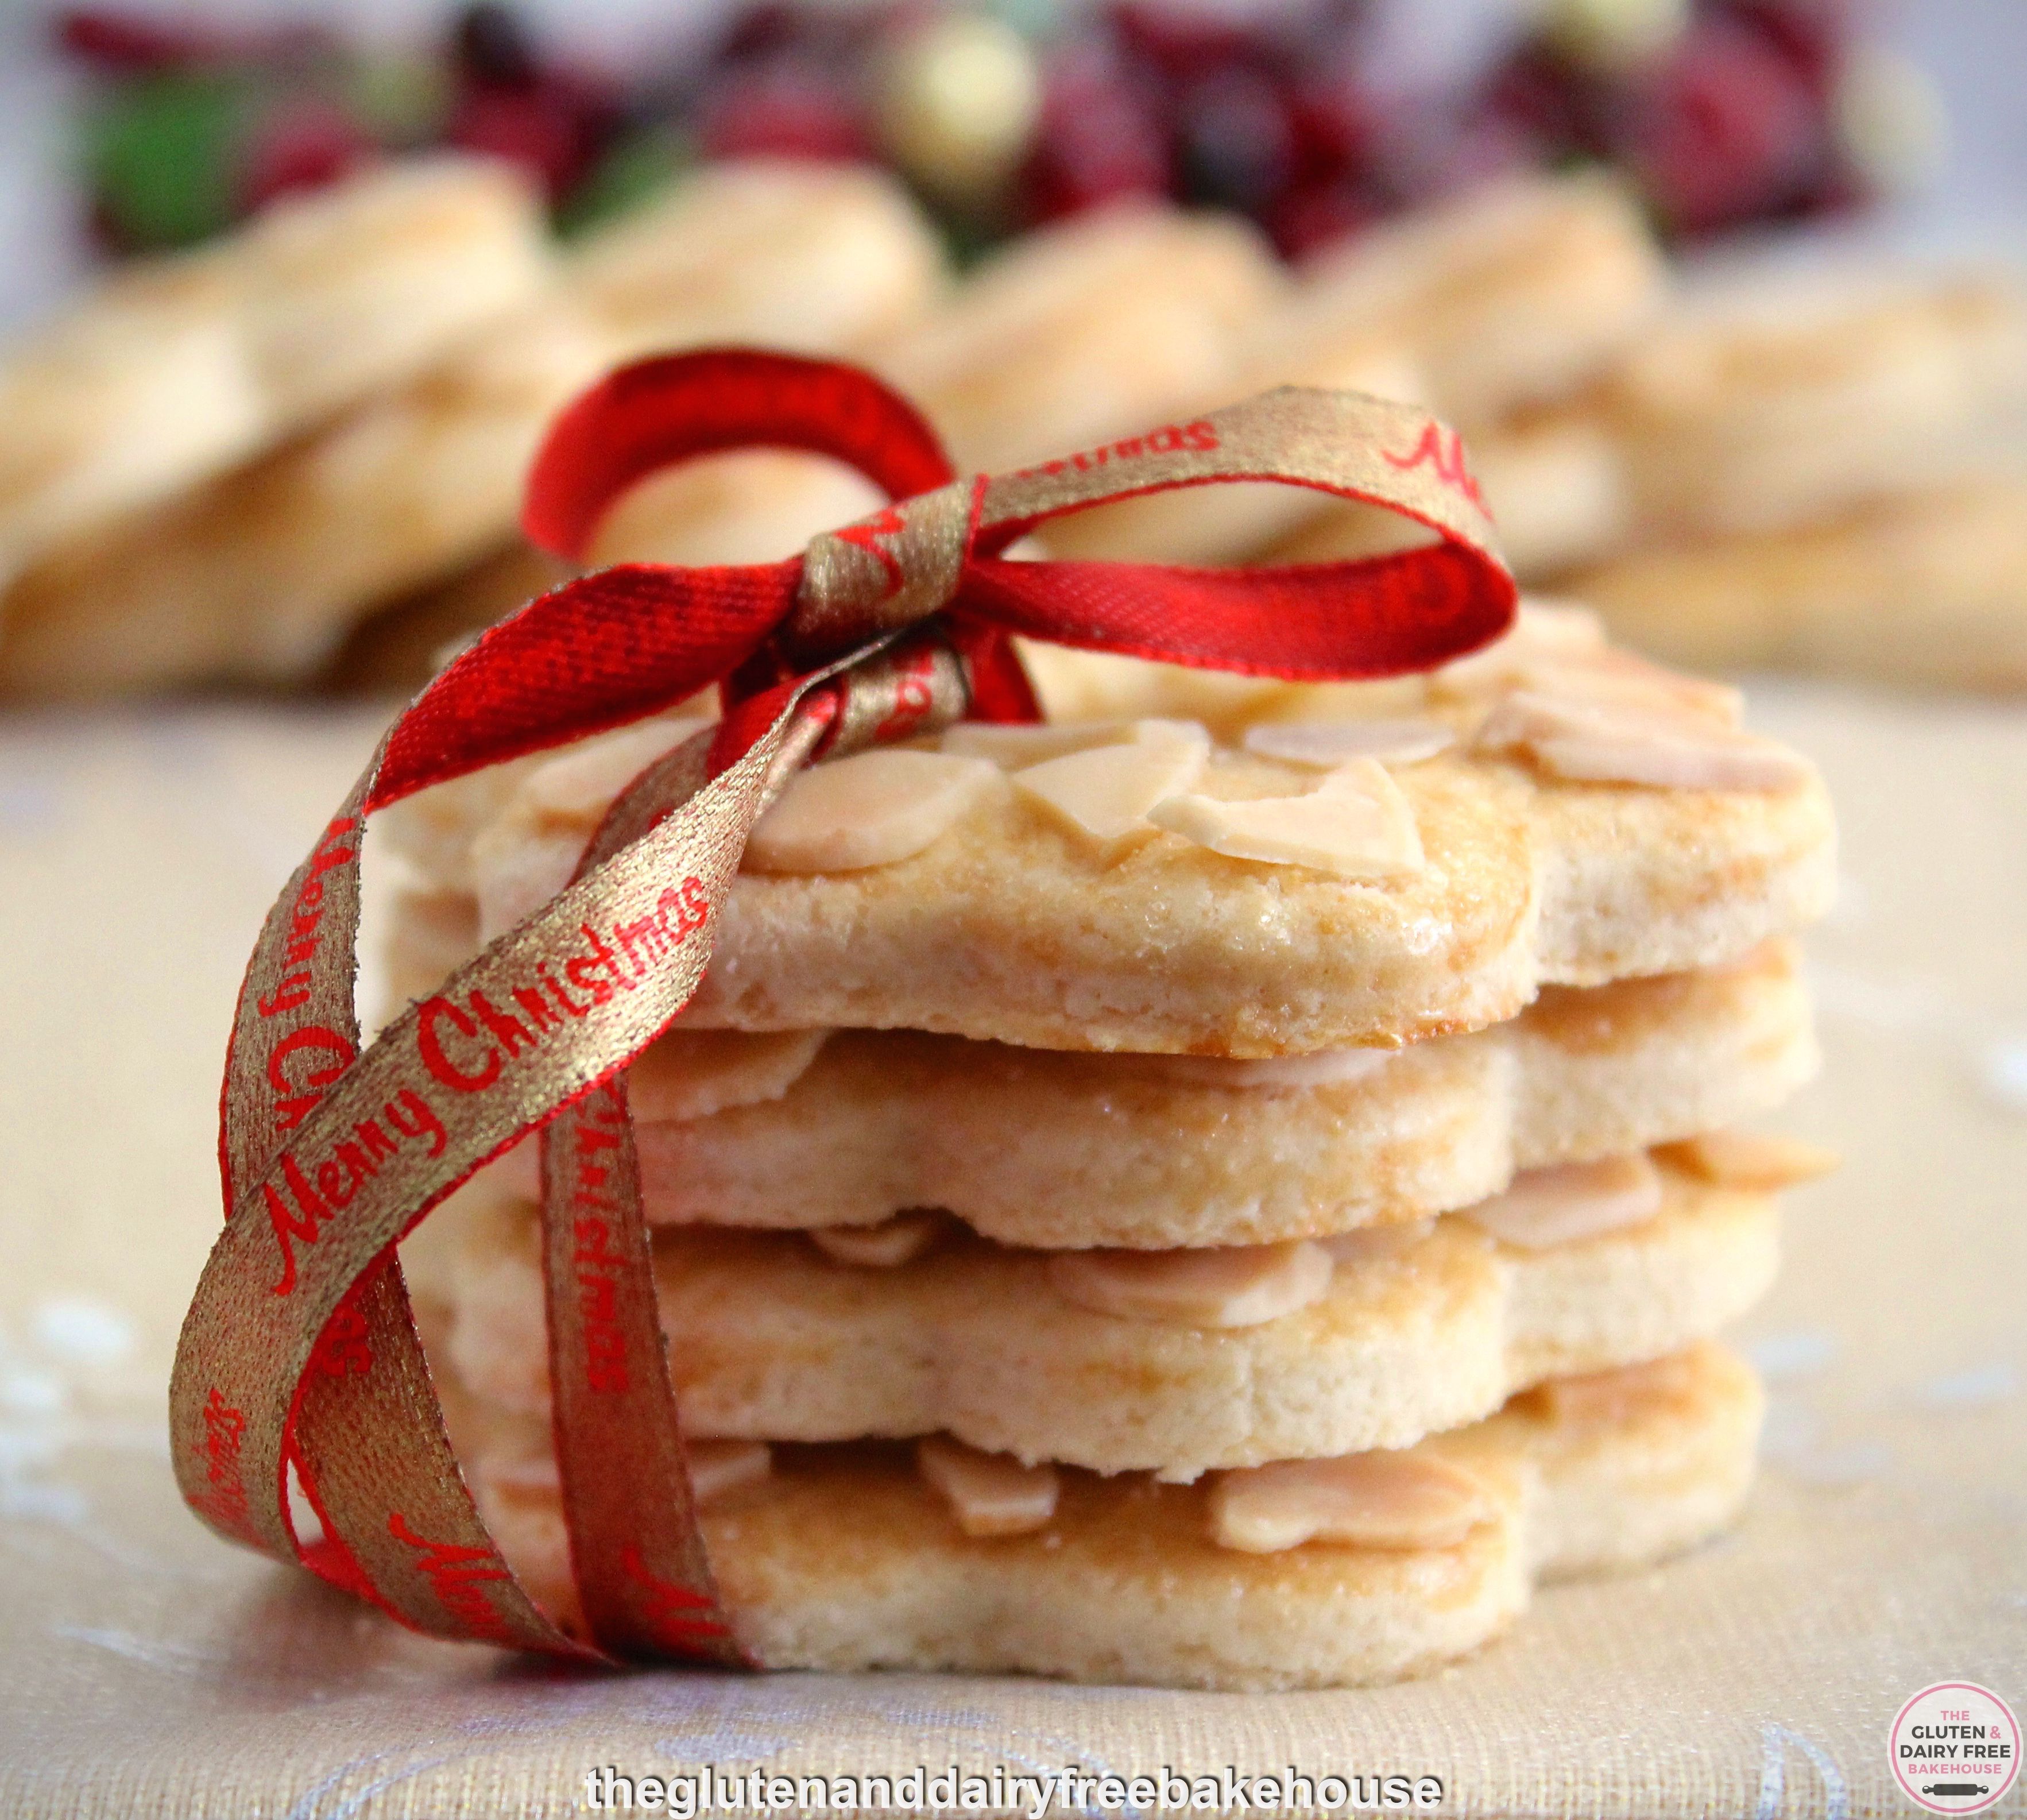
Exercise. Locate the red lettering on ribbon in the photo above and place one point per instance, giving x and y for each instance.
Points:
(1442, 452)
(458, 1574)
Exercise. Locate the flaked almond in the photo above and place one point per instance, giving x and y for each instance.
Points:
(1379, 1500)
(1612, 675)
(989, 1494)
(690, 1074)
(1602, 1399)
(1226, 1286)
(1567, 1202)
(894, 1242)
(1356, 824)
(529, 1475)
(1013, 748)
(1326, 1067)
(1541, 633)
(1748, 1161)
(873, 809)
(1324, 744)
(1599, 742)
(719, 1468)
(1369, 1244)
(584, 783)
(1104, 793)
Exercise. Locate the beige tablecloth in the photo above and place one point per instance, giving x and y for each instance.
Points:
(146, 1668)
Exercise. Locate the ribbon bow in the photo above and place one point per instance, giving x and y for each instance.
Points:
(299, 1357)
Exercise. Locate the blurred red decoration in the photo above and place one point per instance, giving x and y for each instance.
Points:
(303, 144)
(1724, 129)
(1100, 137)
(782, 109)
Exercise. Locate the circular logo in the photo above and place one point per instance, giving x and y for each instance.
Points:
(1956, 1748)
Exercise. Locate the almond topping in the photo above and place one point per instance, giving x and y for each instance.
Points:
(1601, 742)
(1619, 676)
(1226, 1286)
(1368, 1244)
(690, 1074)
(1539, 633)
(1355, 823)
(1597, 1398)
(1326, 743)
(989, 1494)
(1104, 793)
(1567, 1202)
(718, 1468)
(1746, 1160)
(1326, 1067)
(1014, 747)
(873, 809)
(582, 784)
(894, 1242)
(1381, 1499)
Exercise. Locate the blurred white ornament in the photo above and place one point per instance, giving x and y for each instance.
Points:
(1614, 34)
(957, 105)
(1890, 120)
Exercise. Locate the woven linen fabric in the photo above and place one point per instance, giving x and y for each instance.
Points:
(145, 1667)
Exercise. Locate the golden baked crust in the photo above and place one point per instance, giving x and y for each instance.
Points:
(1930, 588)
(1009, 929)
(770, 1340)
(844, 1559)
(1036, 1148)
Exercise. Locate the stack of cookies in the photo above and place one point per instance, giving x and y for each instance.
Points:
(1785, 469)
(1229, 1201)
(427, 334)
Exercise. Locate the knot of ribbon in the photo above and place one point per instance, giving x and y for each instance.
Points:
(299, 1378)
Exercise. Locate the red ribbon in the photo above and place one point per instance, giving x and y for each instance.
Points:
(629, 640)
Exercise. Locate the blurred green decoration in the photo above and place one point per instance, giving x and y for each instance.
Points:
(635, 168)
(162, 152)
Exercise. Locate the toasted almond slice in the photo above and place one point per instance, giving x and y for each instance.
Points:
(1104, 793)
(1596, 1399)
(1380, 1500)
(719, 1468)
(1541, 633)
(690, 1074)
(1613, 675)
(1327, 743)
(1014, 747)
(529, 1474)
(1326, 1067)
(1226, 1286)
(1355, 823)
(900, 1239)
(583, 783)
(873, 809)
(1621, 742)
(989, 1494)
(1567, 1202)
(1371, 1243)
(1749, 1161)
